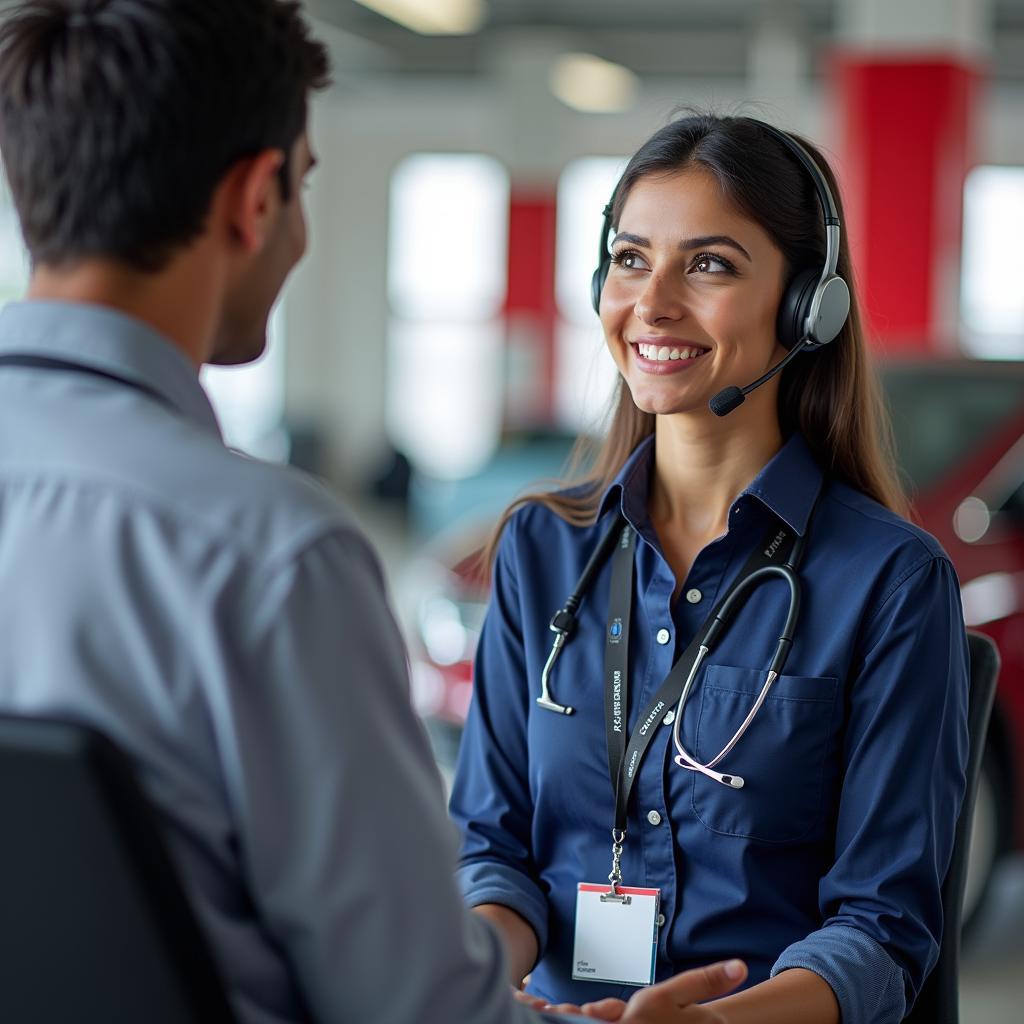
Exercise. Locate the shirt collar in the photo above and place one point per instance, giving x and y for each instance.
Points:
(104, 339)
(787, 486)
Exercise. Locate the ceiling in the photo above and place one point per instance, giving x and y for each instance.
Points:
(654, 38)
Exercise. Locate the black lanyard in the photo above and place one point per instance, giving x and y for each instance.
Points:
(626, 756)
(46, 363)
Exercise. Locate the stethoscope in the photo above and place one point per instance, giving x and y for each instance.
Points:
(564, 621)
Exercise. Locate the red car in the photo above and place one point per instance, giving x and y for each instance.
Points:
(959, 428)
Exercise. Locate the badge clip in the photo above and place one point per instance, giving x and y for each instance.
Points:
(615, 875)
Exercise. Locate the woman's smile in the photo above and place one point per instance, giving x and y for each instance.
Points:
(662, 356)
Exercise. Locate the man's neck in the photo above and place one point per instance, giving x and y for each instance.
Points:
(180, 302)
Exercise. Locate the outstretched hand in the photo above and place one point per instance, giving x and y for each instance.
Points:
(675, 1001)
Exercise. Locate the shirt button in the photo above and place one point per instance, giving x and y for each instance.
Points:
(663, 636)
(694, 596)
(669, 718)
(661, 920)
(654, 817)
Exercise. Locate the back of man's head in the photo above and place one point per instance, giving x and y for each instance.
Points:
(118, 118)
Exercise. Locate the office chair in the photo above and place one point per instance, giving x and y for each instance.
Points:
(94, 925)
(939, 999)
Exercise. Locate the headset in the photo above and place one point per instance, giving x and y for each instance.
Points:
(815, 304)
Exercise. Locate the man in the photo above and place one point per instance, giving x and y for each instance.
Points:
(221, 620)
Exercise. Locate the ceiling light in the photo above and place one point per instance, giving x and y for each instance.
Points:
(588, 83)
(432, 17)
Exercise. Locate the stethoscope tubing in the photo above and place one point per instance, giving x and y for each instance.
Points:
(563, 623)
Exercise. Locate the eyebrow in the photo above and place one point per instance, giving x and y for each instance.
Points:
(701, 242)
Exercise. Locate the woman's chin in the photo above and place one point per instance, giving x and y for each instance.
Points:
(661, 404)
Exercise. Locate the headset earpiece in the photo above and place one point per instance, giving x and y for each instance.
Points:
(597, 284)
(808, 299)
(795, 308)
(604, 259)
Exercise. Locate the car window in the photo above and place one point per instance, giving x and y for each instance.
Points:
(940, 416)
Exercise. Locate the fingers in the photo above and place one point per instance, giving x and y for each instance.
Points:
(534, 1002)
(604, 1009)
(684, 990)
(562, 1008)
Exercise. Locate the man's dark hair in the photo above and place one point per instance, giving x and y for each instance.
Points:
(118, 118)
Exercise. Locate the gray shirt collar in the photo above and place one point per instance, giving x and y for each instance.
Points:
(113, 342)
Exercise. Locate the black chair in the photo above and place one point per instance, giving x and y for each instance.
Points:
(94, 925)
(939, 1000)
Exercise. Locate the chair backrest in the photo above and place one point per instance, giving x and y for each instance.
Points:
(938, 1001)
(94, 924)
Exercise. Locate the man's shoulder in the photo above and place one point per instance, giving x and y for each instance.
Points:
(269, 509)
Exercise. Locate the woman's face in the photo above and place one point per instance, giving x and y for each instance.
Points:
(692, 294)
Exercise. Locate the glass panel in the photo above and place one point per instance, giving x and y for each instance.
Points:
(448, 248)
(585, 377)
(444, 394)
(992, 299)
(583, 190)
(14, 269)
(249, 400)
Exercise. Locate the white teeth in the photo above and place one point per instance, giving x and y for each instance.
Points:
(662, 353)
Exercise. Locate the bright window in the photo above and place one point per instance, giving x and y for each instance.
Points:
(13, 258)
(249, 400)
(992, 299)
(447, 273)
(585, 372)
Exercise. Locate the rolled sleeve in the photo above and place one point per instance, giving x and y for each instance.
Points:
(905, 752)
(491, 801)
(494, 882)
(867, 983)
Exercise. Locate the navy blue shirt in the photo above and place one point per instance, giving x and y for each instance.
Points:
(832, 856)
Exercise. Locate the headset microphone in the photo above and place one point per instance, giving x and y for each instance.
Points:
(733, 397)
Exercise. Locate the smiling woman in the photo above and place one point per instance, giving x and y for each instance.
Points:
(784, 817)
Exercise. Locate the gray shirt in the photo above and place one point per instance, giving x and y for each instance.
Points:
(224, 622)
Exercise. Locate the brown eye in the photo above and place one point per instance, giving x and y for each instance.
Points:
(629, 259)
(709, 263)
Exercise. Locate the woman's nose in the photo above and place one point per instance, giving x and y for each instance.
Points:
(659, 300)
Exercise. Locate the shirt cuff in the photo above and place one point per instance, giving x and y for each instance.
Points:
(868, 984)
(494, 882)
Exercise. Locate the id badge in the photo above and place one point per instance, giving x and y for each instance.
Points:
(615, 941)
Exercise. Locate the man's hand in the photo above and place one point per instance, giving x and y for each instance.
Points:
(669, 1002)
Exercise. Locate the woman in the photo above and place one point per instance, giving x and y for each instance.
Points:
(805, 825)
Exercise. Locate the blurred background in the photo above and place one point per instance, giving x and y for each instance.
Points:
(436, 352)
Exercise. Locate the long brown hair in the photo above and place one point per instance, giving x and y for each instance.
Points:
(832, 397)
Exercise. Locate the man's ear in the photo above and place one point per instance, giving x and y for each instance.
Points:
(249, 197)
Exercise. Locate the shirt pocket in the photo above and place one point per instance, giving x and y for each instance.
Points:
(782, 757)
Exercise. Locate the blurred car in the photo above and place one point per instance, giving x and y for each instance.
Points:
(959, 431)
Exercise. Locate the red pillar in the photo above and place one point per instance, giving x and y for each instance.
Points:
(530, 309)
(905, 147)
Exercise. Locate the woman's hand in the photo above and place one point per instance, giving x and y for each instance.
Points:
(669, 1002)
(673, 1001)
